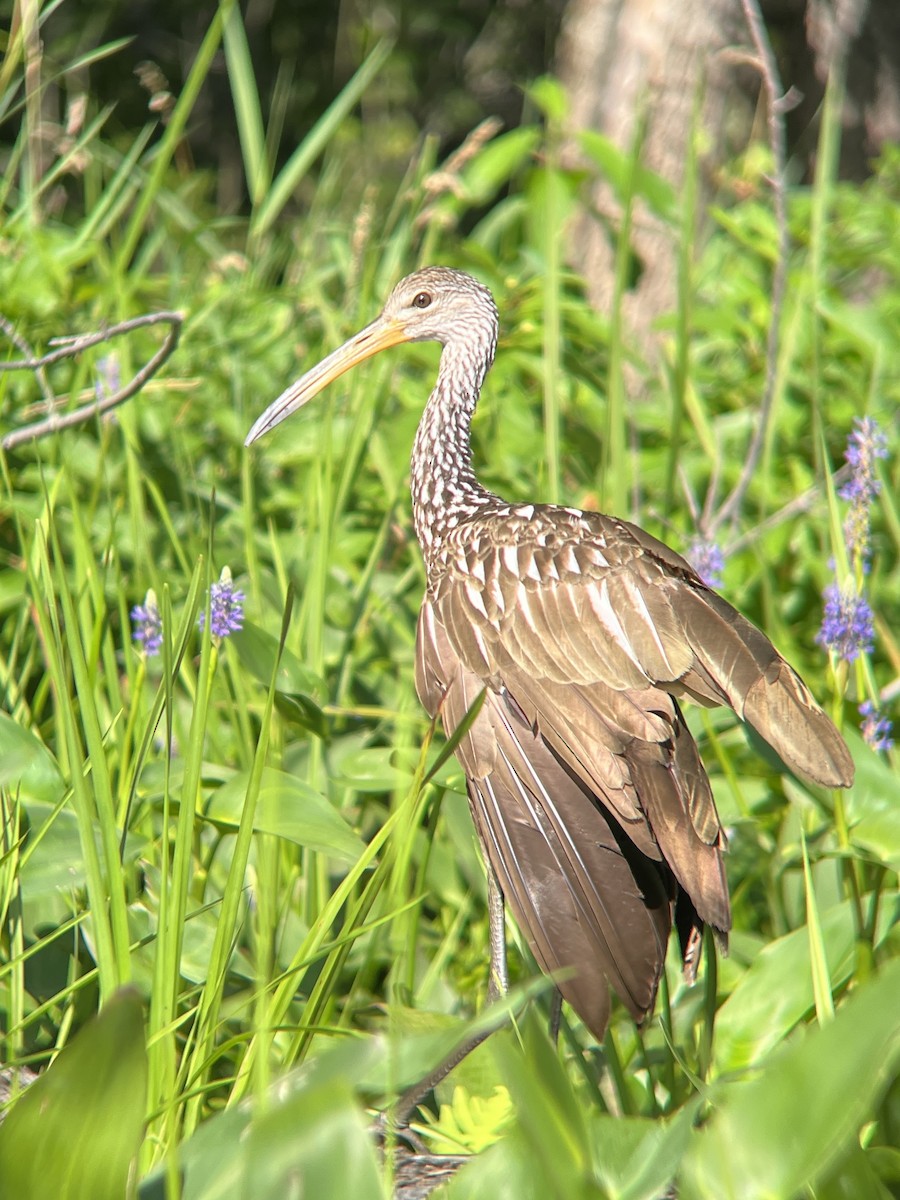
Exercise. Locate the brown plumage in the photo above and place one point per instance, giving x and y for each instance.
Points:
(585, 634)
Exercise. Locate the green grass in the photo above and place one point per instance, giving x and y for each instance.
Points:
(254, 859)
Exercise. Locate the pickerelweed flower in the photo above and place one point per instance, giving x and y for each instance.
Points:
(848, 627)
(865, 444)
(226, 607)
(148, 626)
(108, 379)
(876, 728)
(707, 560)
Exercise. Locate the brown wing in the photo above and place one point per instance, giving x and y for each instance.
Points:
(585, 632)
(594, 909)
(620, 622)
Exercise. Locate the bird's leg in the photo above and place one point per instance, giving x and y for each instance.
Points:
(399, 1115)
(498, 986)
(498, 983)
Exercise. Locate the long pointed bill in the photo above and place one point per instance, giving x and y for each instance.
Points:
(378, 336)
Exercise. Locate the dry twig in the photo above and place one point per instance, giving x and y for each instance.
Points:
(74, 345)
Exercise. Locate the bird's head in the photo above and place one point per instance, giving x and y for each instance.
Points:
(440, 304)
(434, 304)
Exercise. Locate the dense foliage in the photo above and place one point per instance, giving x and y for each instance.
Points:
(236, 838)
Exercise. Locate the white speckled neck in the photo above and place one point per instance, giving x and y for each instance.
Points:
(444, 488)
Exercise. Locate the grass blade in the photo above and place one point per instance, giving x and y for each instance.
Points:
(246, 105)
(318, 138)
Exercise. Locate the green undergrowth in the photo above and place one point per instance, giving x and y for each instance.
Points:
(241, 904)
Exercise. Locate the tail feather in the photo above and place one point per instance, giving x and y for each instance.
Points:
(595, 910)
(676, 795)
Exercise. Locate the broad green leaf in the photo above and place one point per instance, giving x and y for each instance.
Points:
(377, 769)
(309, 1139)
(885, 1162)
(258, 651)
(636, 1159)
(550, 97)
(211, 1161)
(855, 1175)
(52, 858)
(315, 1144)
(26, 765)
(416, 1042)
(75, 1132)
(384, 768)
(497, 162)
(290, 809)
(52, 862)
(863, 323)
(505, 1171)
(776, 1133)
(197, 947)
(777, 989)
(872, 809)
(299, 710)
(548, 1108)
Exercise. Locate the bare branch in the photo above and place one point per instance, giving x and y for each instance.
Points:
(74, 345)
(25, 347)
(805, 502)
(778, 102)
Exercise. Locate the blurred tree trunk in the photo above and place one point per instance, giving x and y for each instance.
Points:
(619, 58)
(868, 31)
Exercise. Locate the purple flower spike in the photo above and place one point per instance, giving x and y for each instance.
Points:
(865, 444)
(707, 560)
(848, 627)
(148, 628)
(876, 728)
(226, 607)
(108, 378)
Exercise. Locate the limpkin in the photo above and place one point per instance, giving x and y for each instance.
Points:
(584, 635)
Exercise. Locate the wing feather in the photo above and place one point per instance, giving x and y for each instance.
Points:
(593, 908)
(763, 689)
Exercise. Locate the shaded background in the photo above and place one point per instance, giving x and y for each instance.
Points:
(456, 63)
(678, 67)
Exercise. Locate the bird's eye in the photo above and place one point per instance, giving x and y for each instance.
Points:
(423, 300)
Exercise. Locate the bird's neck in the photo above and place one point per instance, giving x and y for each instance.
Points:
(445, 491)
